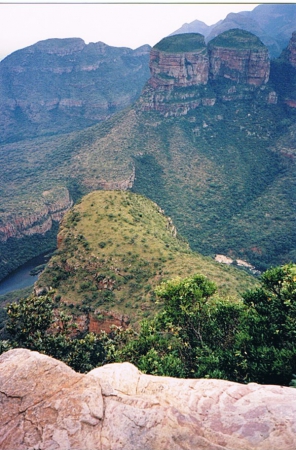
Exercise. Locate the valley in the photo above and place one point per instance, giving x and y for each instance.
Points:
(164, 178)
(209, 138)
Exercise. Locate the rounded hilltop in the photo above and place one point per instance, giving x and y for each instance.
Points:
(237, 39)
(179, 43)
(115, 247)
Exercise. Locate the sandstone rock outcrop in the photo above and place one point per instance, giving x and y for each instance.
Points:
(291, 50)
(51, 207)
(185, 72)
(179, 66)
(60, 85)
(46, 405)
(240, 57)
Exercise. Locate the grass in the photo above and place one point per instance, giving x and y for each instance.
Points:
(116, 247)
(178, 43)
(237, 39)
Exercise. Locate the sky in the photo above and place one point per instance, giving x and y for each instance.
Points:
(119, 24)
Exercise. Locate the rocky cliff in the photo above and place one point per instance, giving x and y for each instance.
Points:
(45, 404)
(240, 57)
(291, 50)
(283, 73)
(236, 59)
(179, 62)
(59, 85)
(50, 207)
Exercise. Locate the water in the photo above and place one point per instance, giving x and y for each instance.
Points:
(21, 277)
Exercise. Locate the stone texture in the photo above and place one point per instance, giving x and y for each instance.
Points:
(292, 50)
(179, 69)
(236, 56)
(51, 207)
(241, 66)
(46, 405)
(61, 85)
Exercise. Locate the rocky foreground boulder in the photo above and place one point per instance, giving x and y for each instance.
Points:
(46, 405)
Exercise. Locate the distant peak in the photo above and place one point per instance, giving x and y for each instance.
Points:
(60, 46)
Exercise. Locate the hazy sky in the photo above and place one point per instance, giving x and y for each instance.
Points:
(119, 24)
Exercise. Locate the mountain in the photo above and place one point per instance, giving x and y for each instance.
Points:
(210, 140)
(60, 85)
(114, 248)
(197, 26)
(272, 23)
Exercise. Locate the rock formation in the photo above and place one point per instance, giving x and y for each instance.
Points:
(240, 57)
(236, 59)
(283, 73)
(272, 23)
(60, 85)
(46, 405)
(291, 51)
(51, 207)
(179, 66)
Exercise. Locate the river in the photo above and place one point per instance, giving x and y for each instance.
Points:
(21, 277)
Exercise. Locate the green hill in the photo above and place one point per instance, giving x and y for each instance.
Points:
(115, 247)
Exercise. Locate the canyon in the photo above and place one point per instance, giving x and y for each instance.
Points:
(227, 91)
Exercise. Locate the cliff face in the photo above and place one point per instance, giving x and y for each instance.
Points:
(179, 69)
(60, 85)
(240, 57)
(51, 207)
(45, 404)
(292, 50)
(283, 73)
(235, 57)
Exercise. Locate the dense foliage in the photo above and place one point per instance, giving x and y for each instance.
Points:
(36, 324)
(193, 336)
(116, 247)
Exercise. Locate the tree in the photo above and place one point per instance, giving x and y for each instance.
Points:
(198, 336)
(36, 324)
(166, 345)
(271, 325)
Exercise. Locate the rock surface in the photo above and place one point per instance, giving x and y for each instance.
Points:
(240, 57)
(50, 207)
(172, 67)
(292, 50)
(46, 405)
(185, 72)
(60, 85)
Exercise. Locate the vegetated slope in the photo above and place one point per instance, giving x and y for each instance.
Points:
(216, 173)
(221, 173)
(211, 141)
(115, 247)
(61, 85)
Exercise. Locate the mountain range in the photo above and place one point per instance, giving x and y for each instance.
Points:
(272, 23)
(209, 137)
(61, 85)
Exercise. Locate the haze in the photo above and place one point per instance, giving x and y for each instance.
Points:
(120, 25)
